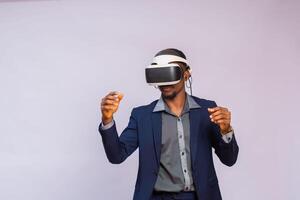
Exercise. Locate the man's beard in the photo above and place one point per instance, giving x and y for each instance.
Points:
(172, 95)
(169, 97)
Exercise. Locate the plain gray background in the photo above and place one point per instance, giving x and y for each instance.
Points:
(59, 58)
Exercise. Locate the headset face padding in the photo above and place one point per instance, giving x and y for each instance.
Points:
(160, 75)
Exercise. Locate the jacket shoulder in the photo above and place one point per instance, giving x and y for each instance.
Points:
(144, 108)
(204, 102)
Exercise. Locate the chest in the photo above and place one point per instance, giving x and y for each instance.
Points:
(174, 130)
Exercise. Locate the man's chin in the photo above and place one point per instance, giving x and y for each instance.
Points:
(169, 96)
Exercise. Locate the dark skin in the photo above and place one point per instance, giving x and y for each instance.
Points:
(174, 96)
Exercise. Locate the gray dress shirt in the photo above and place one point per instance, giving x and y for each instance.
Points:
(175, 173)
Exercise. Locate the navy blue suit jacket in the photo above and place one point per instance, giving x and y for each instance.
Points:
(144, 131)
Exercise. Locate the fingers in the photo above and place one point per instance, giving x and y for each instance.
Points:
(222, 121)
(111, 101)
(111, 97)
(120, 96)
(217, 110)
(115, 95)
(107, 107)
(222, 117)
(212, 110)
(219, 115)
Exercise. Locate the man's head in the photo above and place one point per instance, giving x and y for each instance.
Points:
(172, 56)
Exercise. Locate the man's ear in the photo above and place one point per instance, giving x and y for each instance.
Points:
(187, 75)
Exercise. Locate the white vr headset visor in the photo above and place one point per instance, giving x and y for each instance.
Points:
(161, 72)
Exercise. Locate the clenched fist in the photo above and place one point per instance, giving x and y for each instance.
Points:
(109, 105)
(222, 117)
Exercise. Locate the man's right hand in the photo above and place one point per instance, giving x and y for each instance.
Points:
(109, 105)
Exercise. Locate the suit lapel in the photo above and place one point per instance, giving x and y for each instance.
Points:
(195, 116)
(156, 121)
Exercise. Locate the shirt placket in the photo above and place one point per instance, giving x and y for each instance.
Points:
(183, 155)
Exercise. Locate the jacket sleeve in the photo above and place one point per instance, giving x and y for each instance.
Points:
(227, 152)
(117, 148)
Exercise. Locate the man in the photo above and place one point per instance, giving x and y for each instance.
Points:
(175, 136)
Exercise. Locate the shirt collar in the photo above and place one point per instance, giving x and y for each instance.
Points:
(189, 104)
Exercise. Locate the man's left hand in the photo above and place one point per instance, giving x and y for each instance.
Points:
(222, 117)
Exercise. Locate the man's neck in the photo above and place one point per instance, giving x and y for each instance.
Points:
(176, 105)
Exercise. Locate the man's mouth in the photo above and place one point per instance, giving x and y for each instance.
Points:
(166, 88)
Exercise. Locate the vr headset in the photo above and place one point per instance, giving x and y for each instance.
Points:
(161, 72)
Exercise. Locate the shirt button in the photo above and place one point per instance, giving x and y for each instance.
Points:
(184, 171)
(182, 153)
(180, 136)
